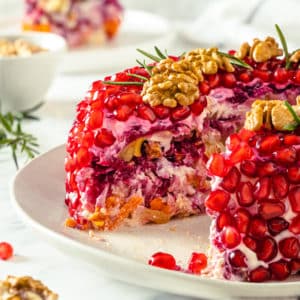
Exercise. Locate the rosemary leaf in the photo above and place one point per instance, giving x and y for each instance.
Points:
(138, 76)
(290, 127)
(143, 65)
(284, 46)
(159, 53)
(235, 61)
(293, 113)
(149, 55)
(123, 82)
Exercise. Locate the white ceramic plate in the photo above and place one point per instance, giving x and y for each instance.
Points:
(138, 30)
(38, 195)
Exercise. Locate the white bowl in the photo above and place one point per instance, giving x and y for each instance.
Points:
(24, 81)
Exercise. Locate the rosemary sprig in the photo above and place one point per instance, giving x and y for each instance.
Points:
(123, 82)
(145, 66)
(13, 136)
(138, 76)
(284, 46)
(149, 55)
(293, 113)
(159, 53)
(235, 61)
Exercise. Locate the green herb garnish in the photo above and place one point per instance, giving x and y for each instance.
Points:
(284, 46)
(137, 76)
(123, 82)
(149, 55)
(159, 53)
(293, 113)
(235, 61)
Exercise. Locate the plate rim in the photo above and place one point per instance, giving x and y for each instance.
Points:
(60, 240)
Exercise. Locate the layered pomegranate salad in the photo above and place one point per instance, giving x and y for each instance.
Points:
(141, 140)
(80, 22)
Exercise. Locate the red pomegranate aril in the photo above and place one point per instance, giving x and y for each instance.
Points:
(291, 139)
(277, 225)
(242, 218)
(289, 247)
(267, 249)
(241, 153)
(262, 188)
(197, 263)
(224, 219)
(293, 174)
(6, 251)
(104, 138)
(250, 243)
(295, 265)
(214, 80)
(180, 113)
(123, 112)
(83, 157)
(231, 52)
(230, 237)
(297, 77)
(163, 260)
(285, 156)
(260, 274)
(245, 194)
(161, 111)
(245, 134)
(295, 225)
(231, 180)
(294, 197)
(217, 165)
(268, 144)
(233, 142)
(258, 227)
(198, 106)
(245, 77)
(237, 259)
(217, 200)
(95, 119)
(229, 80)
(280, 270)
(267, 169)
(263, 75)
(204, 88)
(281, 75)
(280, 186)
(130, 98)
(248, 168)
(146, 113)
(269, 210)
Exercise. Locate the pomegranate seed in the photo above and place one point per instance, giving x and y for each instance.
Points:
(294, 197)
(263, 75)
(231, 180)
(123, 112)
(280, 186)
(267, 249)
(291, 139)
(248, 168)
(217, 165)
(258, 227)
(240, 154)
(245, 194)
(281, 75)
(294, 174)
(198, 106)
(245, 134)
(233, 141)
(245, 77)
(269, 210)
(146, 113)
(130, 98)
(262, 188)
(70, 165)
(197, 262)
(180, 113)
(224, 219)
(83, 157)
(96, 119)
(217, 200)
(237, 259)
(231, 52)
(268, 144)
(161, 111)
(242, 219)
(267, 169)
(285, 156)
(297, 77)
(250, 243)
(111, 102)
(289, 247)
(6, 251)
(260, 274)
(229, 80)
(277, 225)
(280, 269)
(104, 138)
(295, 225)
(295, 265)
(214, 80)
(230, 237)
(163, 260)
(204, 88)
